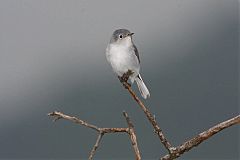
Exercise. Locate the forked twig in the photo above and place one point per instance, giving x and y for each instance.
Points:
(186, 146)
(175, 152)
(150, 117)
(101, 131)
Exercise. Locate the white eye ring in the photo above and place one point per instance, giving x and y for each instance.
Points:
(120, 36)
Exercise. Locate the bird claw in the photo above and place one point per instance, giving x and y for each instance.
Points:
(125, 77)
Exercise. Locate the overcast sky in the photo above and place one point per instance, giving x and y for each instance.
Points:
(52, 57)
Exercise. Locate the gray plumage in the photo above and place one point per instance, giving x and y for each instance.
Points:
(123, 56)
(124, 33)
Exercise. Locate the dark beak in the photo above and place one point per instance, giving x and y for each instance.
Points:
(130, 34)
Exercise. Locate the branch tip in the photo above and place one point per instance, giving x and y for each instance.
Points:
(195, 141)
(173, 152)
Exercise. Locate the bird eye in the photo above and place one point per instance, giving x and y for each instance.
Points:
(120, 36)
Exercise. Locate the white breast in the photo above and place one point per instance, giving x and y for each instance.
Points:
(122, 58)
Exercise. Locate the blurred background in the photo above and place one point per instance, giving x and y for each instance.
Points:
(52, 57)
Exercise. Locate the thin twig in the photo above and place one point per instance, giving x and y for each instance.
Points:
(58, 115)
(186, 146)
(113, 130)
(95, 146)
(101, 131)
(133, 137)
(174, 152)
(150, 117)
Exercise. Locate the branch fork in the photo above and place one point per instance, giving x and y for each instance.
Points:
(102, 131)
(173, 152)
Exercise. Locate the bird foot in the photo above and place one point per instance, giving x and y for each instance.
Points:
(125, 77)
(124, 80)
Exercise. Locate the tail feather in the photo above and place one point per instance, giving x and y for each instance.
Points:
(142, 87)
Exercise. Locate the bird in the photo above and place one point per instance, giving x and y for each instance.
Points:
(123, 56)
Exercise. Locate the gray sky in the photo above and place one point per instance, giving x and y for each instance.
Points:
(52, 57)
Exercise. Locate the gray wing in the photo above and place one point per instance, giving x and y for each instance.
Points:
(136, 52)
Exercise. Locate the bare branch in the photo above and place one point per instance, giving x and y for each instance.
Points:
(174, 152)
(186, 146)
(95, 146)
(133, 137)
(113, 130)
(150, 117)
(58, 115)
(130, 131)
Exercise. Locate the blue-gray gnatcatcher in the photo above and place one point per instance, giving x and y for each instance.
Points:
(123, 56)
